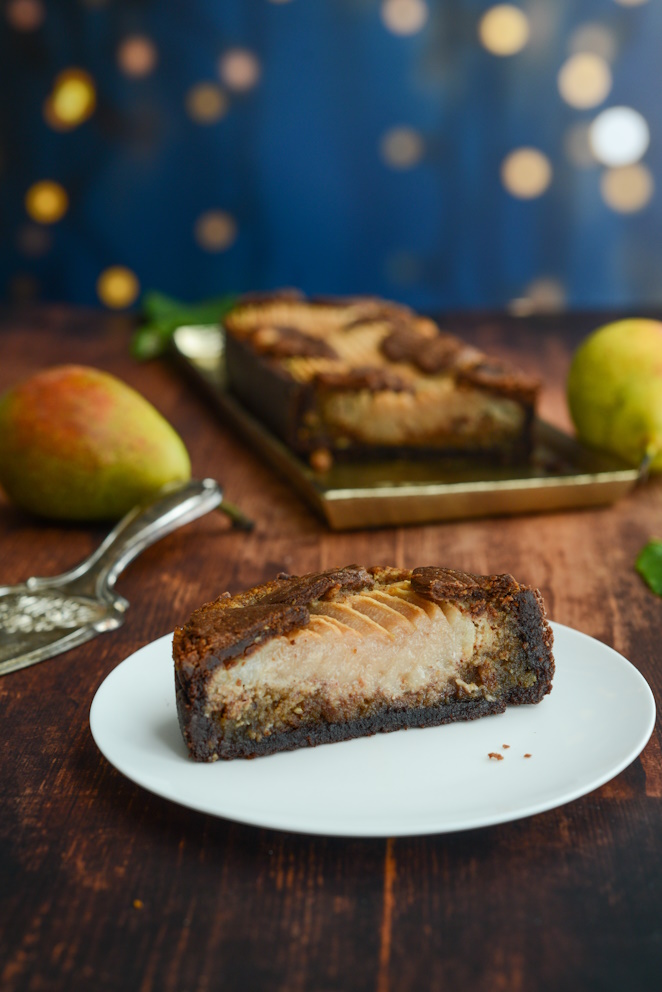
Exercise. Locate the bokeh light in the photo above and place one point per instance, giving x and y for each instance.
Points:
(46, 201)
(118, 287)
(595, 38)
(404, 16)
(72, 99)
(577, 145)
(239, 69)
(627, 188)
(206, 103)
(619, 136)
(215, 230)
(584, 80)
(631, 3)
(546, 294)
(526, 173)
(25, 15)
(504, 29)
(402, 147)
(137, 56)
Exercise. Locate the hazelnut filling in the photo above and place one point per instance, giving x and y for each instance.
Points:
(382, 645)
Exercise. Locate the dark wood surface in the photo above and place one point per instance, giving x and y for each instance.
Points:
(104, 886)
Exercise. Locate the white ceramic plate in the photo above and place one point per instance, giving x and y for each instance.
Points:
(596, 720)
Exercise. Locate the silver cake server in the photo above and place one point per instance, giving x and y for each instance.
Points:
(46, 616)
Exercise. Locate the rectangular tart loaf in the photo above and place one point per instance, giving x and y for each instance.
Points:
(312, 659)
(350, 377)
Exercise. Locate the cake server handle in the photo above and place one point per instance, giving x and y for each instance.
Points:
(175, 504)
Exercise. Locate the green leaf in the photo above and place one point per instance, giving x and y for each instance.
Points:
(148, 342)
(157, 306)
(163, 315)
(649, 565)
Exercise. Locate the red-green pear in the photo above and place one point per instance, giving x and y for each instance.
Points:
(77, 443)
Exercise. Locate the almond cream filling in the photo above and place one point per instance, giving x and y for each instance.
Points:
(386, 641)
(436, 412)
(433, 410)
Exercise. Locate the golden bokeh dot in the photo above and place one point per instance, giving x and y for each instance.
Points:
(137, 56)
(206, 103)
(402, 147)
(46, 201)
(50, 117)
(118, 287)
(25, 15)
(627, 189)
(631, 3)
(577, 145)
(404, 16)
(504, 29)
(526, 173)
(72, 99)
(239, 69)
(215, 230)
(543, 295)
(584, 80)
(546, 294)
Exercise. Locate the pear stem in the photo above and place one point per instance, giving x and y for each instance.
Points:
(238, 519)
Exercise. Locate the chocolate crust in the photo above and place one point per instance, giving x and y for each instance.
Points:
(205, 743)
(232, 627)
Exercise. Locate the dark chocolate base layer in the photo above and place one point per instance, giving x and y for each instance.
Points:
(206, 744)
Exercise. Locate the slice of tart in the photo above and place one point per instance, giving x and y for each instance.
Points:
(356, 377)
(312, 659)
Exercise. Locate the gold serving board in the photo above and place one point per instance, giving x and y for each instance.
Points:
(562, 473)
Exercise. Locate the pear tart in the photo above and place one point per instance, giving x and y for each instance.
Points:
(361, 376)
(312, 659)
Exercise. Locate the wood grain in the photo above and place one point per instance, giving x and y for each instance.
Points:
(104, 886)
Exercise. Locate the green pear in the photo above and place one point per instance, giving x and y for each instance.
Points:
(78, 444)
(615, 390)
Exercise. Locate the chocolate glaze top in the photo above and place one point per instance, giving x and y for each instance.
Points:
(429, 349)
(364, 377)
(288, 342)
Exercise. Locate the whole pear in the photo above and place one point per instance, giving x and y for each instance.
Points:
(77, 443)
(615, 390)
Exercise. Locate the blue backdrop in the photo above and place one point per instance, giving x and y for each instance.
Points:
(336, 145)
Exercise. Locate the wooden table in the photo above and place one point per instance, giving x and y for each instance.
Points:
(105, 886)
